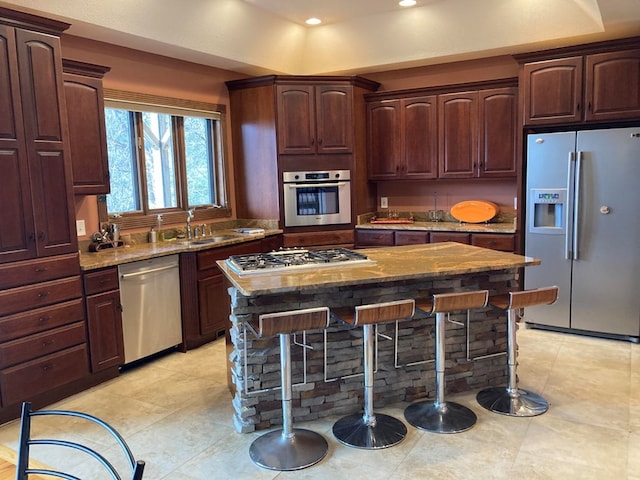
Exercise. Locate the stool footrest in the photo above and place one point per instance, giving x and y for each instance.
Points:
(354, 431)
(447, 417)
(521, 404)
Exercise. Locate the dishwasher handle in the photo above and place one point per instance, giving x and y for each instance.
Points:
(124, 276)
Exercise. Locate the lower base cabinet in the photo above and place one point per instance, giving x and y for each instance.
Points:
(206, 309)
(366, 237)
(104, 319)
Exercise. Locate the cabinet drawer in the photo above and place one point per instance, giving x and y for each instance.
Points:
(316, 239)
(40, 270)
(450, 237)
(39, 295)
(34, 346)
(38, 376)
(495, 242)
(374, 238)
(101, 281)
(411, 238)
(41, 319)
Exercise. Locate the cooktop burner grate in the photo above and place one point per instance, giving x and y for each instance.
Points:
(294, 258)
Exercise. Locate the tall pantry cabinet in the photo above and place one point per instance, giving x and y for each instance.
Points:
(43, 348)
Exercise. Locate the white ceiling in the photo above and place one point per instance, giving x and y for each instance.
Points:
(357, 36)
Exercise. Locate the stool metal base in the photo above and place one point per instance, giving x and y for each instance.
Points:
(522, 404)
(354, 431)
(447, 417)
(277, 452)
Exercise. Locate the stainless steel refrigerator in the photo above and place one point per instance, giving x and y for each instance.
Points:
(583, 222)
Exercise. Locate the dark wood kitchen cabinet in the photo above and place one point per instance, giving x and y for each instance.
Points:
(87, 135)
(296, 123)
(402, 136)
(104, 318)
(443, 132)
(43, 345)
(598, 82)
(206, 308)
(314, 118)
(36, 178)
(458, 131)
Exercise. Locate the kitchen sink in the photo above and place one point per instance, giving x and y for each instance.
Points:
(218, 238)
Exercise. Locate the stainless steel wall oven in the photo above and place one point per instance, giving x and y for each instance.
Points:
(317, 198)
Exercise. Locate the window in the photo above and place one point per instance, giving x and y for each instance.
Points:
(163, 159)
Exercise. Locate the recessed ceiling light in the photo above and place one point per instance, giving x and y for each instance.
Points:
(407, 3)
(313, 21)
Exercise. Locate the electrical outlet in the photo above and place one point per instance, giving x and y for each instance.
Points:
(80, 228)
(384, 202)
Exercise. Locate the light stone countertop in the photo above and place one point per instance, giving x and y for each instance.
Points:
(132, 253)
(444, 227)
(409, 262)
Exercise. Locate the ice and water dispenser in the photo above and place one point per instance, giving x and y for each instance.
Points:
(548, 207)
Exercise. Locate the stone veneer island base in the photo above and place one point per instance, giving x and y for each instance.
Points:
(327, 377)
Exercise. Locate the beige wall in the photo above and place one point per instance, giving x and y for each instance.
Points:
(136, 71)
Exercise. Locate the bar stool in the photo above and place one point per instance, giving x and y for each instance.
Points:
(440, 416)
(289, 448)
(511, 400)
(370, 430)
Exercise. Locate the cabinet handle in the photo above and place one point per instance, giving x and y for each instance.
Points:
(103, 281)
(578, 107)
(320, 142)
(42, 236)
(43, 294)
(47, 367)
(589, 106)
(43, 319)
(313, 141)
(32, 237)
(41, 269)
(46, 343)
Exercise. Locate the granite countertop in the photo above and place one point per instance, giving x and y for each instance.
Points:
(506, 227)
(131, 253)
(389, 264)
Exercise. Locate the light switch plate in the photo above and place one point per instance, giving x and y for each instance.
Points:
(384, 202)
(80, 228)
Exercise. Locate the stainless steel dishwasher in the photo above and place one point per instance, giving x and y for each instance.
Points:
(150, 296)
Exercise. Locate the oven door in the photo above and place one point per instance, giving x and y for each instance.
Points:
(327, 203)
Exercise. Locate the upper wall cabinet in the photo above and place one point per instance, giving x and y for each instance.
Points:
(402, 135)
(87, 136)
(315, 119)
(36, 178)
(593, 83)
(461, 133)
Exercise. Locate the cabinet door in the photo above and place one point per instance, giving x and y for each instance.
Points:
(374, 238)
(296, 114)
(104, 319)
(17, 237)
(420, 138)
(87, 137)
(498, 129)
(613, 85)
(334, 119)
(553, 91)
(214, 305)
(383, 139)
(505, 243)
(458, 127)
(44, 115)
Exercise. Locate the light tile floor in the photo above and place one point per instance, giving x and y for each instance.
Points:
(176, 414)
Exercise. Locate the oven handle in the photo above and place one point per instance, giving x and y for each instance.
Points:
(307, 185)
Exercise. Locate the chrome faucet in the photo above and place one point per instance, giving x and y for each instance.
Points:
(189, 217)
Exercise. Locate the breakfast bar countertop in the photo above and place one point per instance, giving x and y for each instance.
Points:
(408, 262)
(500, 228)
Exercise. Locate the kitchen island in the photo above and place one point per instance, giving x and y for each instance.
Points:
(327, 376)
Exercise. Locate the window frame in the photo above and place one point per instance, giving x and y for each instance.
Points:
(181, 108)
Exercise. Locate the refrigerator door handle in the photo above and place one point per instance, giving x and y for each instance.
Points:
(569, 220)
(576, 205)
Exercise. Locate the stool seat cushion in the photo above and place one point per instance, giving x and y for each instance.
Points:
(525, 298)
(376, 313)
(270, 324)
(451, 302)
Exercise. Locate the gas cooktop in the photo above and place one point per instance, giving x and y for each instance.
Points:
(293, 259)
